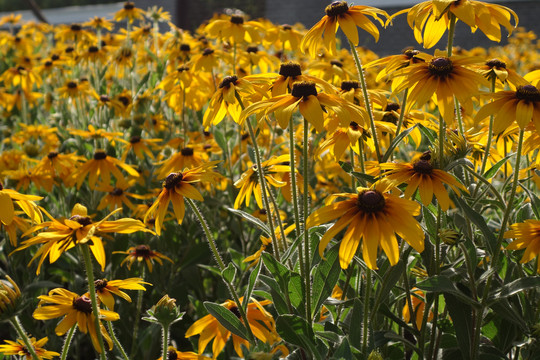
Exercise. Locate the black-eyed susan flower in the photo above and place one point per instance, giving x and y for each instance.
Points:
(189, 156)
(9, 197)
(95, 133)
(174, 354)
(444, 77)
(141, 253)
(260, 321)
(432, 18)
(309, 101)
(18, 348)
(396, 62)
(101, 167)
(175, 187)
(76, 90)
(374, 216)
(339, 13)
(77, 310)
(496, 69)
(105, 289)
(249, 181)
(99, 23)
(418, 305)
(421, 175)
(117, 195)
(235, 29)
(60, 235)
(521, 105)
(526, 236)
(129, 12)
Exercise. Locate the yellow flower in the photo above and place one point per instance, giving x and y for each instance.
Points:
(76, 310)
(374, 216)
(235, 29)
(173, 354)
(106, 288)
(418, 306)
(175, 187)
(19, 348)
(99, 23)
(26, 202)
(527, 236)
(142, 252)
(63, 234)
(423, 176)
(432, 17)
(261, 322)
(348, 18)
(522, 105)
(444, 77)
(10, 298)
(102, 166)
(129, 12)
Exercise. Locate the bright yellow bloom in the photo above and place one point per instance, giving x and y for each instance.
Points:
(522, 105)
(10, 298)
(9, 197)
(261, 322)
(106, 288)
(60, 235)
(526, 236)
(348, 18)
(101, 166)
(19, 348)
(175, 187)
(432, 17)
(423, 176)
(374, 216)
(235, 30)
(173, 354)
(418, 306)
(76, 310)
(129, 12)
(142, 252)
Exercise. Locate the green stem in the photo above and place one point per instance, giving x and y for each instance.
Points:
(367, 102)
(93, 298)
(221, 264)
(67, 342)
(402, 112)
(442, 133)
(294, 188)
(490, 134)
(138, 311)
(497, 249)
(22, 334)
(116, 342)
(307, 255)
(165, 341)
(281, 244)
(451, 31)
(365, 322)
(345, 289)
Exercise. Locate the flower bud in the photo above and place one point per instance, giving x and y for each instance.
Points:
(165, 312)
(10, 299)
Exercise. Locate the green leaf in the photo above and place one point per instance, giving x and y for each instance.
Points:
(515, 287)
(428, 133)
(221, 141)
(443, 284)
(251, 219)
(280, 272)
(297, 331)
(396, 142)
(535, 201)
(495, 168)
(251, 284)
(343, 351)
(479, 221)
(227, 319)
(326, 276)
(364, 177)
(461, 314)
(296, 292)
(355, 330)
(277, 295)
(229, 273)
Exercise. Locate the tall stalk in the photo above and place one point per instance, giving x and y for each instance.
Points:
(307, 252)
(22, 334)
(138, 311)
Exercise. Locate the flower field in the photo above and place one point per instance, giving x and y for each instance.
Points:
(262, 191)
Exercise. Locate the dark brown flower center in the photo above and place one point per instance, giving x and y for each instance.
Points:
(172, 355)
(100, 284)
(410, 53)
(496, 63)
(172, 180)
(245, 136)
(336, 8)
(76, 27)
(187, 151)
(370, 201)
(392, 106)
(290, 69)
(252, 49)
(227, 81)
(116, 192)
(135, 139)
(183, 68)
(100, 155)
(104, 98)
(93, 49)
(143, 251)
(83, 220)
(441, 66)
(354, 126)
(52, 155)
(72, 85)
(207, 52)
(349, 85)
(69, 49)
(262, 211)
(423, 167)
(48, 63)
(124, 100)
(83, 304)
(1, 186)
(237, 19)
(235, 311)
(286, 27)
(55, 57)
(337, 63)
(185, 47)
(528, 93)
(129, 6)
(303, 89)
